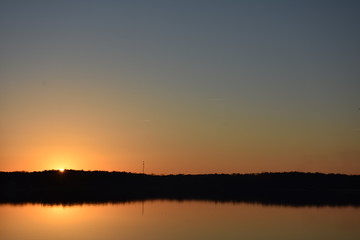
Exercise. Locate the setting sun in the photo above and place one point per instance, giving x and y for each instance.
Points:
(61, 169)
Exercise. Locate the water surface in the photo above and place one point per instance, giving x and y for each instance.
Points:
(177, 220)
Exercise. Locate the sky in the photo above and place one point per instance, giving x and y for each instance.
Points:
(183, 86)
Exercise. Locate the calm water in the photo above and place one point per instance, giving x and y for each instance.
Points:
(177, 220)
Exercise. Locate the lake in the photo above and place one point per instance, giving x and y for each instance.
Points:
(163, 219)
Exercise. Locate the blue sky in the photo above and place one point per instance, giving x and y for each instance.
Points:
(190, 86)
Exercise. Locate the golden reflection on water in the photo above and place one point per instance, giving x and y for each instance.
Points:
(177, 220)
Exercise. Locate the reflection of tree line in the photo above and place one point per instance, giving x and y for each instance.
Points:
(72, 186)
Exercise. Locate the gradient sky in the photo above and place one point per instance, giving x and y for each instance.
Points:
(186, 86)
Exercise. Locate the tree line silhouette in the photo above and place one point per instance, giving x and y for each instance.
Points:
(77, 186)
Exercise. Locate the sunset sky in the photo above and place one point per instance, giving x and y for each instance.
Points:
(186, 86)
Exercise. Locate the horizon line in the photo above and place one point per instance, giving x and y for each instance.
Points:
(163, 174)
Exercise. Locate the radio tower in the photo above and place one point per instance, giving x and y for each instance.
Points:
(143, 167)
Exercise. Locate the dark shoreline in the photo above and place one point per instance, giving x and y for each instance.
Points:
(82, 187)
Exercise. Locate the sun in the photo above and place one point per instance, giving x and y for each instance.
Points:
(61, 169)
